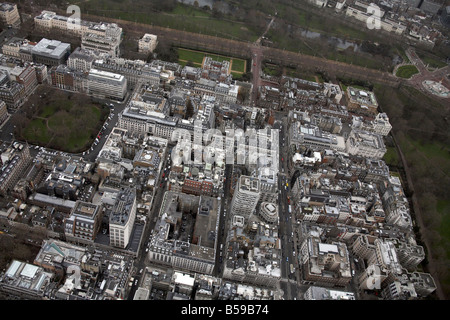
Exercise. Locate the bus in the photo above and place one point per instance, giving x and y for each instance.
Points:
(290, 209)
(292, 268)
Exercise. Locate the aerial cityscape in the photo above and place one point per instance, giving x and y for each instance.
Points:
(225, 150)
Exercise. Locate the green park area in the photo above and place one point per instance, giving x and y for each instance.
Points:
(406, 71)
(430, 61)
(421, 130)
(63, 121)
(238, 66)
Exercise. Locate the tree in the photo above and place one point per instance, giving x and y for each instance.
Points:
(189, 109)
(166, 52)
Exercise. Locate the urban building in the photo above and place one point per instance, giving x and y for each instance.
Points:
(252, 257)
(15, 160)
(122, 217)
(324, 263)
(103, 43)
(320, 293)
(308, 135)
(15, 46)
(245, 197)
(184, 235)
(9, 15)
(63, 77)
(50, 52)
(136, 72)
(216, 70)
(25, 75)
(26, 281)
(81, 60)
(365, 144)
(11, 92)
(49, 20)
(107, 84)
(268, 212)
(380, 125)
(84, 222)
(361, 102)
(147, 43)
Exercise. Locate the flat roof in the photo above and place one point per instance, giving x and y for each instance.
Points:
(325, 248)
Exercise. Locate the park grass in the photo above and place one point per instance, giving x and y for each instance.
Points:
(182, 17)
(406, 71)
(238, 65)
(437, 152)
(65, 123)
(37, 130)
(432, 62)
(186, 10)
(391, 156)
(190, 55)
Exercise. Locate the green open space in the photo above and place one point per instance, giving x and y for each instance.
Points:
(421, 131)
(406, 71)
(65, 121)
(171, 15)
(391, 157)
(431, 62)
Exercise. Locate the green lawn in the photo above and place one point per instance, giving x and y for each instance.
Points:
(432, 62)
(65, 122)
(391, 157)
(181, 17)
(238, 65)
(406, 71)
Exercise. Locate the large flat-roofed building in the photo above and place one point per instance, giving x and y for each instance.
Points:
(26, 281)
(9, 15)
(100, 43)
(49, 20)
(365, 144)
(185, 233)
(107, 84)
(50, 52)
(84, 222)
(313, 137)
(135, 71)
(319, 293)
(268, 212)
(361, 101)
(122, 217)
(324, 263)
(55, 255)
